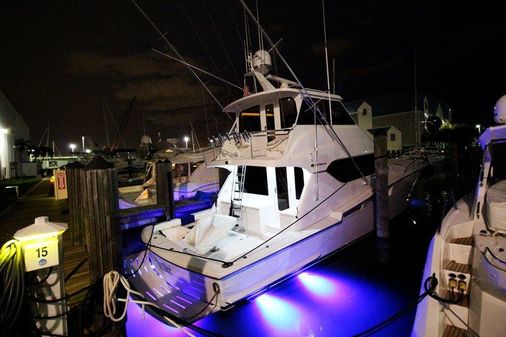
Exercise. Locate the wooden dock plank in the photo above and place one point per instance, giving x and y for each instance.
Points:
(35, 203)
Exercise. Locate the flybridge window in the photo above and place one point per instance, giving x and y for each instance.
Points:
(255, 181)
(344, 170)
(249, 119)
(339, 115)
(288, 110)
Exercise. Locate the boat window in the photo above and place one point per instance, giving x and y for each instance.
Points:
(299, 181)
(344, 170)
(306, 114)
(339, 115)
(249, 119)
(498, 153)
(255, 181)
(288, 110)
(282, 188)
(222, 174)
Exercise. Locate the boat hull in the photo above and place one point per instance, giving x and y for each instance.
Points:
(164, 276)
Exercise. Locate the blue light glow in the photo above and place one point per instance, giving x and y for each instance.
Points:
(416, 203)
(146, 325)
(279, 314)
(318, 285)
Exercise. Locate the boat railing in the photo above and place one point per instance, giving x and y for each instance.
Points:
(493, 260)
(247, 144)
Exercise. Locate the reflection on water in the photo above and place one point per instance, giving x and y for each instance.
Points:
(320, 302)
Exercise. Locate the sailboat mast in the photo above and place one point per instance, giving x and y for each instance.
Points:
(417, 118)
(105, 124)
(47, 136)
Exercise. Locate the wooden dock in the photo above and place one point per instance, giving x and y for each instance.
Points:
(38, 202)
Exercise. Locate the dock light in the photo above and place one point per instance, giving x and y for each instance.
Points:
(186, 139)
(478, 126)
(40, 242)
(87, 151)
(72, 147)
(4, 131)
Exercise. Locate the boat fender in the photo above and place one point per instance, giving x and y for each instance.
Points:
(216, 288)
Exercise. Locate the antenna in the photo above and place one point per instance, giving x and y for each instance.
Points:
(190, 66)
(326, 59)
(177, 53)
(105, 123)
(259, 27)
(334, 75)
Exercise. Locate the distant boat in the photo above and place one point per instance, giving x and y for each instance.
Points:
(466, 260)
(190, 176)
(434, 156)
(299, 189)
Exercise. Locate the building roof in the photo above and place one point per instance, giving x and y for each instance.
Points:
(399, 102)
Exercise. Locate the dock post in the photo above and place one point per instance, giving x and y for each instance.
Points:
(101, 209)
(76, 215)
(164, 188)
(381, 214)
(103, 234)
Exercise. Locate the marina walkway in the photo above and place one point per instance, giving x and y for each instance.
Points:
(38, 202)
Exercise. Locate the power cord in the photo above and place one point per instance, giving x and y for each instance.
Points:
(110, 283)
(12, 283)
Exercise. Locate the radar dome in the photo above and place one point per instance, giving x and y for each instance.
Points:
(262, 62)
(145, 140)
(500, 110)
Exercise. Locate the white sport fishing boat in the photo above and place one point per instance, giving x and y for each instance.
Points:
(467, 255)
(299, 189)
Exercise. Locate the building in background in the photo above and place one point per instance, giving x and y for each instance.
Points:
(13, 131)
(397, 111)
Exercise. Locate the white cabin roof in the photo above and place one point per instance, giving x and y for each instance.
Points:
(264, 97)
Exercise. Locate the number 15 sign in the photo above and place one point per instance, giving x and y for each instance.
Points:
(42, 254)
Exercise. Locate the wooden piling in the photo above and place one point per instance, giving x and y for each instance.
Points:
(164, 188)
(381, 213)
(76, 215)
(381, 186)
(99, 188)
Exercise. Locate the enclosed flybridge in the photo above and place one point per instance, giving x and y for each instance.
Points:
(466, 260)
(299, 189)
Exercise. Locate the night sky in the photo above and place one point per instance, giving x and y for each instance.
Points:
(70, 63)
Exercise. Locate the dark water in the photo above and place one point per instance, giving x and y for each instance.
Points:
(347, 293)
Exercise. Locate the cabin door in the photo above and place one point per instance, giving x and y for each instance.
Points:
(270, 122)
(282, 188)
